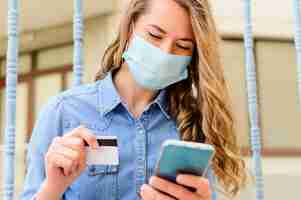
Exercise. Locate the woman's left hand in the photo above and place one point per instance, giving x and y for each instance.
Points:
(152, 190)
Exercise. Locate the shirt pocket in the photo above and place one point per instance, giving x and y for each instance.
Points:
(97, 182)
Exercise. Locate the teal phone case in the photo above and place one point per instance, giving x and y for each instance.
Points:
(183, 157)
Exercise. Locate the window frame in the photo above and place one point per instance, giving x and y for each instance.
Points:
(270, 151)
(29, 78)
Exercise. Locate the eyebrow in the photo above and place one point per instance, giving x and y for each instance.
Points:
(164, 32)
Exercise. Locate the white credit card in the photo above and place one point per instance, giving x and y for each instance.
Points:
(106, 154)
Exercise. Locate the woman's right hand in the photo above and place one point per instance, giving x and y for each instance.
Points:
(66, 159)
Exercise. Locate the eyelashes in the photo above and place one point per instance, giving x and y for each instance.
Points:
(154, 36)
(157, 37)
(185, 48)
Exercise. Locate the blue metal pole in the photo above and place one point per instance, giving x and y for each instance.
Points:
(297, 20)
(78, 42)
(11, 85)
(252, 101)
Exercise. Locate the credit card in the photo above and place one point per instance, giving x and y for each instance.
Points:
(106, 154)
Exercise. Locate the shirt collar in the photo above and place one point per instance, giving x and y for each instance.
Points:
(109, 97)
(161, 101)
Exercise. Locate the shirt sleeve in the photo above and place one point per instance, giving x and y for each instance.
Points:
(47, 126)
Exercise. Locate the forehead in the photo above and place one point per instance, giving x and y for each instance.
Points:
(170, 16)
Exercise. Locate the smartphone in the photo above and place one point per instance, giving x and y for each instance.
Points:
(182, 157)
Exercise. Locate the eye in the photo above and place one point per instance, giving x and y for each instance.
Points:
(154, 36)
(184, 47)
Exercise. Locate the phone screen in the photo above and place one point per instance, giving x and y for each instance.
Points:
(181, 157)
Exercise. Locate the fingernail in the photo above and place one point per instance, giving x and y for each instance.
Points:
(151, 180)
(143, 187)
(179, 177)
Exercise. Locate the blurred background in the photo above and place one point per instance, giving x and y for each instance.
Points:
(45, 69)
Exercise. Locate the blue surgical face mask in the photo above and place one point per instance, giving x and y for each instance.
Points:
(152, 68)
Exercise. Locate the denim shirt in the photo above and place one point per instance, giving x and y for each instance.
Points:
(98, 106)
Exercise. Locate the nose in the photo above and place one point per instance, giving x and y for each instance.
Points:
(167, 46)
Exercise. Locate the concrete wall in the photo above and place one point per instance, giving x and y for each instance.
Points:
(270, 18)
(100, 32)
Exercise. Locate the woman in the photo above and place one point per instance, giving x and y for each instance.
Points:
(160, 79)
